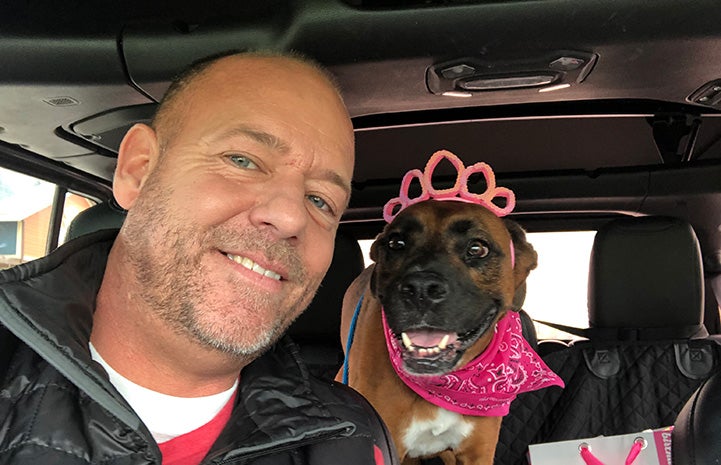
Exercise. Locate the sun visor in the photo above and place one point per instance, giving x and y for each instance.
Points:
(103, 132)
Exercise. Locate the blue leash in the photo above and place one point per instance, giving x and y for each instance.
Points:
(349, 341)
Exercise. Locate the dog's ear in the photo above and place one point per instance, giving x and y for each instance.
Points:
(374, 256)
(374, 249)
(526, 260)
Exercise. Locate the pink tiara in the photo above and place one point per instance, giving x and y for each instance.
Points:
(459, 192)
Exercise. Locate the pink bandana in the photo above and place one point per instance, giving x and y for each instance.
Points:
(488, 384)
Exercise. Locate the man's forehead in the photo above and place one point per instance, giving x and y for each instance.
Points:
(258, 135)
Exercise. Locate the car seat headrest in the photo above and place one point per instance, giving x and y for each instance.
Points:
(646, 272)
(695, 438)
(104, 215)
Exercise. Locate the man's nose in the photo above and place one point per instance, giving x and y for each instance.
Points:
(281, 210)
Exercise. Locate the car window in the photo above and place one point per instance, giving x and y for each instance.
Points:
(26, 206)
(557, 288)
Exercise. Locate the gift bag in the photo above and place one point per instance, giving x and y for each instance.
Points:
(651, 447)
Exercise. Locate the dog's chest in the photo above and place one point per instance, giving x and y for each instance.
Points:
(431, 436)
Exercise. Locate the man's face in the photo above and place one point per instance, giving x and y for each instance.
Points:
(233, 228)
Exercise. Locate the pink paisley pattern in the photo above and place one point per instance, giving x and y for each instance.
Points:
(488, 384)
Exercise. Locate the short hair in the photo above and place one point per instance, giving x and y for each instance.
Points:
(163, 115)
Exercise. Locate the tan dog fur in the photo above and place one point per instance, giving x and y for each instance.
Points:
(370, 370)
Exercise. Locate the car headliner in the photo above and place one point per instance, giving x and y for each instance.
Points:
(628, 134)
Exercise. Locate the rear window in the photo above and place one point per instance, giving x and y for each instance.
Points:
(557, 291)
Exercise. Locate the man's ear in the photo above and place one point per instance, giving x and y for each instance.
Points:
(136, 158)
(526, 260)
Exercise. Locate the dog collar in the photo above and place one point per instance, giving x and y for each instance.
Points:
(487, 385)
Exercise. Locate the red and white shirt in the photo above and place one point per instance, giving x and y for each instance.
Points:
(184, 427)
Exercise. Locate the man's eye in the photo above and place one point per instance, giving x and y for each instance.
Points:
(320, 203)
(243, 162)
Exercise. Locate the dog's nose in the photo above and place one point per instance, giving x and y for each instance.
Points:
(423, 287)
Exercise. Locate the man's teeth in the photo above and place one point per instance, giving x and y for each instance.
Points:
(425, 350)
(251, 265)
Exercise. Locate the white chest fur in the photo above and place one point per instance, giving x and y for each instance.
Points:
(445, 431)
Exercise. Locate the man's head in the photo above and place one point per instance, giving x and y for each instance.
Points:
(234, 196)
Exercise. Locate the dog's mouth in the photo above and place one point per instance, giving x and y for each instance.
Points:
(429, 351)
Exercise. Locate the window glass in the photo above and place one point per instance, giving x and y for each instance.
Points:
(557, 288)
(25, 209)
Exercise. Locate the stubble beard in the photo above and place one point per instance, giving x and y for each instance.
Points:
(171, 282)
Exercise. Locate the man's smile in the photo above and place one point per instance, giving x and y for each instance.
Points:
(253, 266)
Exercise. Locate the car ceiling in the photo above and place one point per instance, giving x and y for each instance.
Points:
(626, 135)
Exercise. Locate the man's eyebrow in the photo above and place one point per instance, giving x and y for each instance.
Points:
(338, 180)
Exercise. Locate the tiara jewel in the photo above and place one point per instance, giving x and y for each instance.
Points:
(459, 192)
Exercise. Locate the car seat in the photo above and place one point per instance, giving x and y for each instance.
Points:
(104, 215)
(646, 350)
(695, 439)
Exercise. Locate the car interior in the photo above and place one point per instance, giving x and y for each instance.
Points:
(600, 116)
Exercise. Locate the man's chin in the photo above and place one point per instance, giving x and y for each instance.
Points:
(241, 345)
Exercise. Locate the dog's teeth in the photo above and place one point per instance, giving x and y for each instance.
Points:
(423, 351)
(444, 342)
(406, 341)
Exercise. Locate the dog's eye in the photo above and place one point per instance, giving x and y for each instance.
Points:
(396, 242)
(477, 249)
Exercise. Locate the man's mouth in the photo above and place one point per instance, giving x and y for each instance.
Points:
(254, 267)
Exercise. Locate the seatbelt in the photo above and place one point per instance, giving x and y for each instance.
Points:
(632, 334)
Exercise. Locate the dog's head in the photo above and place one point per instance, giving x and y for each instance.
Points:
(444, 276)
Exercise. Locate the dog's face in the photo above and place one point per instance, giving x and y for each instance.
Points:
(444, 276)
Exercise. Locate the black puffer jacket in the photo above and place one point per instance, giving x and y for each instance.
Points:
(57, 405)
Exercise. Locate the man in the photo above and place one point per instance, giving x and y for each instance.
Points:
(233, 196)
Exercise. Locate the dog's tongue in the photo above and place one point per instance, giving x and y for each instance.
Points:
(424, 338)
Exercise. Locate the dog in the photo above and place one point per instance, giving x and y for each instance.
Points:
(433, 336)
(443, 275)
